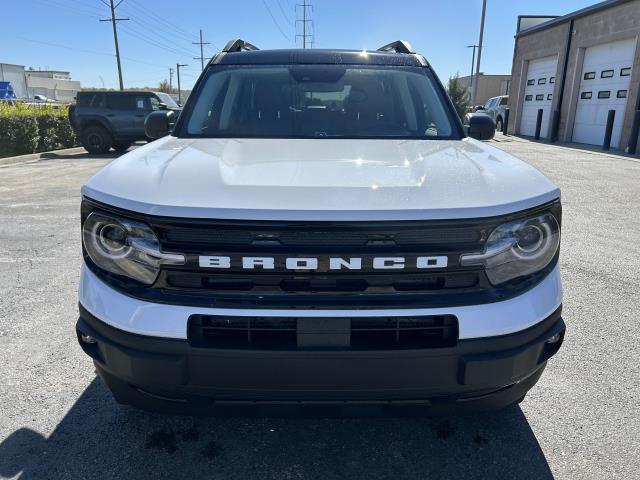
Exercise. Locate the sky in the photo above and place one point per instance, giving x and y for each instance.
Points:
(67, 34)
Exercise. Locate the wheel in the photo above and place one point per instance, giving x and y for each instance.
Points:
(121, 146)
(499, 124)
(96, 140)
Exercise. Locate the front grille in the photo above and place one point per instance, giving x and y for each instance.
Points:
(275, 333)
(282, 288)
(320, 288)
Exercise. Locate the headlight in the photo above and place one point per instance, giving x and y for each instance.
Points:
(518, 248)
(125, 247)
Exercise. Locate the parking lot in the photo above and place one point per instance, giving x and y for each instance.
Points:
(582, 420)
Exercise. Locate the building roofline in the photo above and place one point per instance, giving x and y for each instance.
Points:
(488, 75)
(570, 16)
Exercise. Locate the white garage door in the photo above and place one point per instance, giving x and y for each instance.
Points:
(538, 94)
(606, 73)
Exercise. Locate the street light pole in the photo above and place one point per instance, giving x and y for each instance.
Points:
(473, 62)
(178, 65)
(474, 91)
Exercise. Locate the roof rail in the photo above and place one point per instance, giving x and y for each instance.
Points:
(399, 46)
(238, 45)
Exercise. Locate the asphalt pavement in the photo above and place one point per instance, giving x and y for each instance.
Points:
(582, 420)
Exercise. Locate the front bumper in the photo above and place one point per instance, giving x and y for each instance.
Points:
(170, 375)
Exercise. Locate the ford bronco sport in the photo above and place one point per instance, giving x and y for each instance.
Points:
(104, 119)
(319, 230)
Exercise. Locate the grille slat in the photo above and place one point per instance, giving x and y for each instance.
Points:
(370, 333)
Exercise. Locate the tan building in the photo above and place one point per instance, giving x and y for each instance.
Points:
(575, 70)
(488, 86)
(52, 84)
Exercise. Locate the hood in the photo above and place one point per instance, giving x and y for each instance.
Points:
(320, 179)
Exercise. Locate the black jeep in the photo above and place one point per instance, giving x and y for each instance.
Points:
(104, 120)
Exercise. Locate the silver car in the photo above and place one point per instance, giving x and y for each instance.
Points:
(495, 107)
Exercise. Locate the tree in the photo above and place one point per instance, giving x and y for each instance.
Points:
(459, 95)
(165, 88)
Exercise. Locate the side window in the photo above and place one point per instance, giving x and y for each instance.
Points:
(606, 74)
(98, 100)
(625, 72)
(140, 101)
(585, 95)
(528, 98)
(542, 81)
(539, 97)
(155, 103)
(121, 102)
(504, 101)
(590, 75)
(552, 80)
(531, 81)
(488, 103)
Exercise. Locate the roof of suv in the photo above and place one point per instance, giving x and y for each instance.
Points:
(239, 52)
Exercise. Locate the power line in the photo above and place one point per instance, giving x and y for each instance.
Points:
(145, 38)
(284, 14)
(201, 43)
(113, 21)
(275, 22)
(84, 50)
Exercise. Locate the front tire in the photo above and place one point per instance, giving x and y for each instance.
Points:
(96, 140)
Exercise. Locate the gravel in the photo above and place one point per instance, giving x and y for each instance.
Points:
(581, 420)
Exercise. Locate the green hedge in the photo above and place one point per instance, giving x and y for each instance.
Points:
(34, 128)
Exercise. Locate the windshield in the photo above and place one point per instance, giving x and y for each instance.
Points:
(315, 101)
(167, 100)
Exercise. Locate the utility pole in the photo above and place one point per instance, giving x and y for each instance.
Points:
(473, 62)
(113, 21)
(178, 65)
(201, 43)
(304, 22)
(170, 78)
(474, 91)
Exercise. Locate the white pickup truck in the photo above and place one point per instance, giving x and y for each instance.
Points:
(319, 230)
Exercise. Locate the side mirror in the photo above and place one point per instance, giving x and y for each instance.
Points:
(159, 123)
(477, 108)
(479, 126)
(163, 106)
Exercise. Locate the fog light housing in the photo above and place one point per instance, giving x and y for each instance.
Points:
(555, 338)
(87, 339)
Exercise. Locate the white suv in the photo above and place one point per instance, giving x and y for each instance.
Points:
(318, 230)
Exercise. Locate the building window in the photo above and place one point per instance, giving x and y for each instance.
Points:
(604, 94)
(531, 82)
(542, 81)
(625, 72)
(622, 94)
(539, 97)
(585, 95)
(552, 80)
(550, 96)
(606, 74)
(590, 75)
(528, 98)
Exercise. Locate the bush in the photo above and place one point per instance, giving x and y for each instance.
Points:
(458, 95)
(34, 128)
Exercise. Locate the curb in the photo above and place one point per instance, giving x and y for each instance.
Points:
(34, 157)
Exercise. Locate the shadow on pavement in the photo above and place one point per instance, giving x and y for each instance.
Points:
(98, 439)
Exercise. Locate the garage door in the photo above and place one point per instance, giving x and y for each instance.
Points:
(606, 74)
(538, 94)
